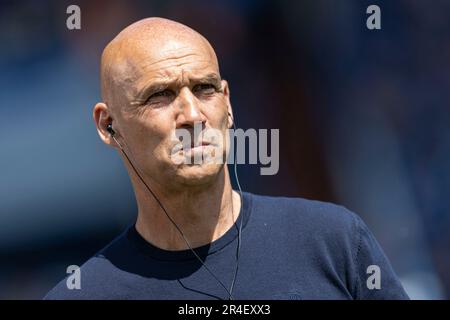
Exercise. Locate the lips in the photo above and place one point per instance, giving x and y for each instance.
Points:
(196, 145)
(192, 147)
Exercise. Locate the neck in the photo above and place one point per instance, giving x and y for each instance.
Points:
(202, 214)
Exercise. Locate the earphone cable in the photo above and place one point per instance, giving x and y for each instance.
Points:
(179, 230)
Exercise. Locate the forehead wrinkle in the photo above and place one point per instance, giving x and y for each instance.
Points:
(174, 70)
(175, 58)
(131, 69)
(179, 78)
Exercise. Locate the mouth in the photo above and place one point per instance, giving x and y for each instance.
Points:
(197, 148)
(194, 146)
(197, 153)
(197, 145)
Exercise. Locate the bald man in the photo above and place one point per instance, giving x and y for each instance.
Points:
(194, 236)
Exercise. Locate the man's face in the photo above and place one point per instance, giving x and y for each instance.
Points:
(164, 89)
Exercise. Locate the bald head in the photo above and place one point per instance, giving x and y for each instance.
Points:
(159, 76)
(142, 47)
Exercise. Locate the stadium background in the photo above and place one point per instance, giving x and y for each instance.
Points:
(363, 116)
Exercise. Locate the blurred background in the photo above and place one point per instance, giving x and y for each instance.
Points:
(364, 121)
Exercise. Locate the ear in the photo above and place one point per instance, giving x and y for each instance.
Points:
(102, 117)
(226, 94)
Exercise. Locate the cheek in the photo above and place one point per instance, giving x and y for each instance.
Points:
(158, 121)
(152, 133)
(217, 114)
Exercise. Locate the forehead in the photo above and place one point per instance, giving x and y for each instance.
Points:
(168, 60)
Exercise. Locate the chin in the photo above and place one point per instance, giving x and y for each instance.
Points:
(195, 175)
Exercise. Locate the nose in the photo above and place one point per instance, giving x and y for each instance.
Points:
(190, 112)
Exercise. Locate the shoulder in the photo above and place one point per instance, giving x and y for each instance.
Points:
(98, 277)
(319, 229)
(307, 214)
(84, 282)
(334, 239)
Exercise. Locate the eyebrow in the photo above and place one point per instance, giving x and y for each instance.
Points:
(210, 78)
(157, 86)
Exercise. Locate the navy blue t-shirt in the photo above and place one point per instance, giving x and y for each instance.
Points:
(291, 248)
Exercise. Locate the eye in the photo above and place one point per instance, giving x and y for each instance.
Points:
(160, 96)
(205, 88)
